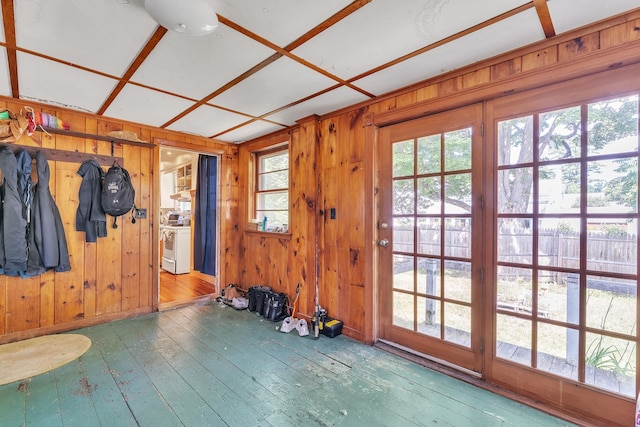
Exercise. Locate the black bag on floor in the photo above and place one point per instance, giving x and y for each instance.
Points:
(275, 310)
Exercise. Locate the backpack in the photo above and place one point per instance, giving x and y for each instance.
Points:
(118, 195)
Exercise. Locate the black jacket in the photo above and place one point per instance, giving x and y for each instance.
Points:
(90, 217)
(25, 191)
(48, 230)
(13, 242)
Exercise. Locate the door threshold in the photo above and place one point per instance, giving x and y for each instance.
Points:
(438, 364)
(184, 302)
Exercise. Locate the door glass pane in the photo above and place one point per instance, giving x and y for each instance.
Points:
(558, 350)
(515, 240)
(429, 317)
(403, 272)
(429, 154)
(558, 296)
(429, 195)
(457, 150)
(429, 276)
(457, 237)
(403, 310)
(429, 236)
(403, 234)
(403, 196)
(611, 248)
(559, 242)
(613, 186)
(457, 193)
(613, 126)
(514, 289)
(560, 134)
(609, 303)
(515, 193)
(515, 141)
(610, 363)
(403, 158)
(457, 280)
(513, 339)
(457, 324)
(559, 189)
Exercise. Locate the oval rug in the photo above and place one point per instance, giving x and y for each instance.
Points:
(35, 356)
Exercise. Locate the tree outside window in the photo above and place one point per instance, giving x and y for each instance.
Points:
(272, 189)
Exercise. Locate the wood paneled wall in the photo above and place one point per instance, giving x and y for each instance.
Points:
(339, 158)
(117, 276)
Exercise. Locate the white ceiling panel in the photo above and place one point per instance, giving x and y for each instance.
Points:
(249, 132)
(40, 81)
(384, 30)
(104, 35)
(140, 105)
(322, 104)
(279, 21)
(564, 16)
(279, 84)
(490, 41)
(196, 66)
(207, 121)
(5, 83)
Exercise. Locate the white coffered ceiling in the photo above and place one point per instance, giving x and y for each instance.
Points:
(268, 64)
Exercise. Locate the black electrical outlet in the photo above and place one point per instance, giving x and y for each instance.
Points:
(141, 213)
(332, 213)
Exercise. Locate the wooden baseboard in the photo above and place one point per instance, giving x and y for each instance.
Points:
(70, 326)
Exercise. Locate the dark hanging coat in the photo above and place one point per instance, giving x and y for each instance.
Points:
(48, 229)
(90, 216)
(13, 244)
(25, 191)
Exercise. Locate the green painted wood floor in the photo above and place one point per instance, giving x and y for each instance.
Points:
(209, 365)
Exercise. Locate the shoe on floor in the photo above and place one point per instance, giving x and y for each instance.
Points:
(302, 328)
(288, 324)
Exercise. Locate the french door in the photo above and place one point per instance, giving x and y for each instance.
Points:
(515, 254)
(563, 258)
(430, 236)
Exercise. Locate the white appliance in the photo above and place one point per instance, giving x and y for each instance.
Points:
(176, 255)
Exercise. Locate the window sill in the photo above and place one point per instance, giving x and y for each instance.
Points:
(270, 234)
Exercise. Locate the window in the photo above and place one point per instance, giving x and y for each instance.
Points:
(272, 189)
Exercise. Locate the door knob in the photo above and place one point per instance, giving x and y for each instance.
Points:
(383, 242)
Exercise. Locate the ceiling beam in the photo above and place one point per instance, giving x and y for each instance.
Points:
(444, 41)
(10, 38)
(279, 52)
(545, 18)
(142, 56)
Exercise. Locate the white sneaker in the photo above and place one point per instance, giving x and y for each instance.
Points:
(288, 324)
(303, 329)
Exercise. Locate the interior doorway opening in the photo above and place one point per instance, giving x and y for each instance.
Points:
(179, 283)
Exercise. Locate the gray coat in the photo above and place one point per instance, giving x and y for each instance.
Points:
(13, 242)
(48, 230)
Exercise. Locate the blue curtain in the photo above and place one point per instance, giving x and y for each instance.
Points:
(204, 239)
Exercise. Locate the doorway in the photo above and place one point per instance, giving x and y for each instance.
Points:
(179, 282)
(430, 236)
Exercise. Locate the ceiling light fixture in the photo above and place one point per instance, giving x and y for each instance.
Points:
(192, 17)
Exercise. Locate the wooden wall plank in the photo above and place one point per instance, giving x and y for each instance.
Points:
(144, 199)
(69, 286)
(131, 235)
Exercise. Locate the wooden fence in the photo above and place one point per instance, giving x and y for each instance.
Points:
(605, 253)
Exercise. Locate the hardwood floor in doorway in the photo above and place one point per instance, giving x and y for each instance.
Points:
(181, 288)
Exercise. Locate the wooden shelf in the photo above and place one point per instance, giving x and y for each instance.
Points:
(107, 138)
